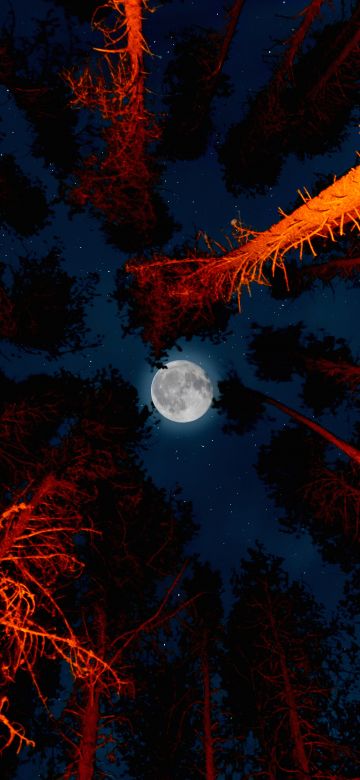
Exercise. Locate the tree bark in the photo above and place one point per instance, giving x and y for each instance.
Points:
(299, 753)
(90, 720)
(89, 735)
(234, 14)
(195, 282)
(210, 772)
(349, 450)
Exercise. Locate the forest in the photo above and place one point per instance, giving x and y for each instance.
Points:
(125, 654)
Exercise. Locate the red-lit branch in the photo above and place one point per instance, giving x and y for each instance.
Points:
(36, 551)
(309, 15)
(344, 373)
(345, 267)
(333, 497)
(176, 286)
(348, 449)
(233, 14)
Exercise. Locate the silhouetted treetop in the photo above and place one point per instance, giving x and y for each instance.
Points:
(45, 306)
(296, 112)
(190, 85)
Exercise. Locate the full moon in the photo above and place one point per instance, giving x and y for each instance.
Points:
(182, 391)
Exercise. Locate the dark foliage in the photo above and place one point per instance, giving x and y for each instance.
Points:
(280, 669)
(23, 204)
(190, 83)
(312, 496)
(279, 353)
(243, 407)
(46, 306)
(295, 113)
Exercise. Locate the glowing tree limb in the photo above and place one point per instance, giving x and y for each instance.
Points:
(36, 551)
(244, 406)
(348, 449)
(15, 730)
(193, 283)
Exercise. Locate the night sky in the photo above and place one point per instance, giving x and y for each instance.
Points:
(215, 470)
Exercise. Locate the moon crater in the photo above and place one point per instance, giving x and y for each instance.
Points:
(182, 391)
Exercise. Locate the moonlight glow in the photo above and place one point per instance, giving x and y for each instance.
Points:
(182, 391)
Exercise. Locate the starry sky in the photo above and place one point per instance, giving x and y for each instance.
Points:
(215, 471)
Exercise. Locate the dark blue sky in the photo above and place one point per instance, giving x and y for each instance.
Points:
(216, 471)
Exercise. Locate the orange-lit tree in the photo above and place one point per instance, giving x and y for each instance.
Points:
(119, 180)
(174, 289)
(37, 556)
(45, 508)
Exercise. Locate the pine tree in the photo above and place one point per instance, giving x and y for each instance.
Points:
(281, 668)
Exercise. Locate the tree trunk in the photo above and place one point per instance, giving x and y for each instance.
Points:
(208, 739)
(89, 735)
(309, 15)
(298, 751)
(350, 451)
(234, 14)
(196, 282)
(90, 719)
(339, 60)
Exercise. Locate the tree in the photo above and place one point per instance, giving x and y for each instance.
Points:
(121, 564)
(314, 496)
(42, 520)
(296, 112)
(281, 667)
(180, 286)
(119, 180)
(179, 724)
(30, 70)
